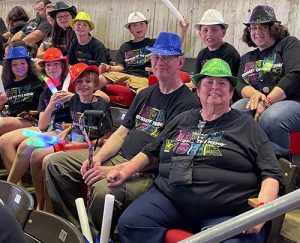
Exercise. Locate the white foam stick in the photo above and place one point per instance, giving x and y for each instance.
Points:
(66, 82)
(83, 219)
(1, 86)
(107, 217)
(1, 83)
(174, 11)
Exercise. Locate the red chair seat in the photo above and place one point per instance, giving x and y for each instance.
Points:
(119, 94)
(175, 235)
(295, 143)
(184, 77)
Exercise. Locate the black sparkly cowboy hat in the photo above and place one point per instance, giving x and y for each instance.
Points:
(262, 14)
(62, 7)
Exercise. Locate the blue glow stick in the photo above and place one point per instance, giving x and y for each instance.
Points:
(37, 143)
(46, 137)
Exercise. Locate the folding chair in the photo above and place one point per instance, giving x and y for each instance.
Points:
(48, 228)
(17, 199)
(118, 115)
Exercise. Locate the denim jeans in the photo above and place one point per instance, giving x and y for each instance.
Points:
(278, 121)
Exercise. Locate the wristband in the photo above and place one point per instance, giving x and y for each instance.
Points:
(260, 204)
(270, 101)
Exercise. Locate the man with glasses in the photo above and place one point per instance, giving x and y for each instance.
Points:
(35, 30)
(151, 109)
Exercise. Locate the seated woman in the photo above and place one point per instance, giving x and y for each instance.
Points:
(270, 77)
(51, 116)
(22, 89)
(211, 161)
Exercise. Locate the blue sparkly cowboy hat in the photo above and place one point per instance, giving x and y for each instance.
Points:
(168, 44)
(18, 52)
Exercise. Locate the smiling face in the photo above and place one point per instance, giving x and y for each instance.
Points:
(54, 70)
(260, 35)
(19, 68)
(138, 30)
(81, 28)
(63, 19)
(85, 85)
(212, 36)
(215, 91)
(166, 66)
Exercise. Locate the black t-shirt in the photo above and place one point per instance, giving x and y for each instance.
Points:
(62, 45)
(62, 112)
(148, 114)
(277, 65)
(232, 155)
(134, 57)
(226, 52)
(91, 123)
(36, 24)
(93, 53)
(23, 95)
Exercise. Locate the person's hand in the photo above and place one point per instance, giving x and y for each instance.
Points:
(184, 25)
(254, 99)
(3, 99)
(259, 110)
(64, 96)
(95, 174)
(256, 229)
(104, 68)
(115, 177)
(84, 167)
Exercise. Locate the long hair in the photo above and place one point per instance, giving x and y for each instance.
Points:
(8, 77)
(16, 14)
(277, 32)
(65, 70)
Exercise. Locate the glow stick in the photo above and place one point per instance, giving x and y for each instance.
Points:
(174, 11)
(107, 217)
(66, 82)
(46, 137)
(50, 84)
(37, 143)
(83, 219)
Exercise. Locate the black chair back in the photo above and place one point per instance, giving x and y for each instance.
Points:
(48, 228)
(17, 199)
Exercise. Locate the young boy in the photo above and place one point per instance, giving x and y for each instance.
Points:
(86, 48)
(132, 58)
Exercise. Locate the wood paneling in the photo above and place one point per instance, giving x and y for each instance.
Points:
(110, 16)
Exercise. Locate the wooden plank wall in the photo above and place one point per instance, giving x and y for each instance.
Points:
(110, 16)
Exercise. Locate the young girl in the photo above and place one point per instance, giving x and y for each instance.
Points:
(22, 89)
(85, 80)
(51, 116)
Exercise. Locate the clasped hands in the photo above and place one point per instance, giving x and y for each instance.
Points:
(257, 102)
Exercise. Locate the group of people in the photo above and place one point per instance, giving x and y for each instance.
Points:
(176, 153)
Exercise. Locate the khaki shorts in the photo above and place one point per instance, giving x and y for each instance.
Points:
(131, 81)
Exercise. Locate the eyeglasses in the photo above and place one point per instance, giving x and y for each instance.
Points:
(63, 16)
(262, 28)
(38, 9)
(164, 59)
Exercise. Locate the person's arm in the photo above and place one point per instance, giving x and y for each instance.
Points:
(17, 35)
(41, 51)
(34, 37)
(268, 192)
(136, 164)
(7, 35)
(183, 25)
(109, 68)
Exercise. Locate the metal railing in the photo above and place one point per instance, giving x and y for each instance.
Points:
(247, 220)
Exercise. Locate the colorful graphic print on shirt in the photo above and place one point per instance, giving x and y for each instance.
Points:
(194, 143)
(150, 120)
(263, 74)
(20, 94)
(137, 57)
